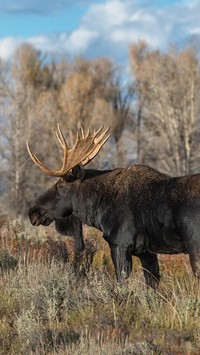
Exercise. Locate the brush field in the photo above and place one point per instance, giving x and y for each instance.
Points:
(50, 305)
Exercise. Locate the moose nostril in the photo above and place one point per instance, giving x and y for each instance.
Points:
(34, 215)
(33, 220)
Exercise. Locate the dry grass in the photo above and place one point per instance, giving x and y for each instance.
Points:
(48, 308)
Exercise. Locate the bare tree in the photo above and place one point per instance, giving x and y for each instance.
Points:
(94, 94)
(25, 89)
(168, 110)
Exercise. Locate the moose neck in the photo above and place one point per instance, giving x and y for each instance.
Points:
(92, 196)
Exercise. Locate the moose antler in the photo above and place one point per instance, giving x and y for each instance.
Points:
(84, 150)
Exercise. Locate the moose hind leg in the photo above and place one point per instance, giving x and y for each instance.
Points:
(122, 261)
(150, 268)
(195, 262)
(190, 226)
(193, 247)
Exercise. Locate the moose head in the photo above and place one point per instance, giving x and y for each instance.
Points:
(53, 204)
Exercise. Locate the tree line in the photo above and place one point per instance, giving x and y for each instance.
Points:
(153, 112)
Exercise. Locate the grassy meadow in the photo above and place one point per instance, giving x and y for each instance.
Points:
(49, 305)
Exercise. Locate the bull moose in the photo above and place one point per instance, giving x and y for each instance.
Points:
(139, 210)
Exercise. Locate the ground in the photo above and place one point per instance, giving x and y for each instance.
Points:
(51, 305)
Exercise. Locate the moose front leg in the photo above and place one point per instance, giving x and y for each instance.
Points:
(71, 226)
(150, 268)
(122, 261)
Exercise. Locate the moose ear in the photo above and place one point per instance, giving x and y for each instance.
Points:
(78, 172)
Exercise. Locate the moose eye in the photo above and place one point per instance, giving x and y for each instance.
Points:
(60, 186)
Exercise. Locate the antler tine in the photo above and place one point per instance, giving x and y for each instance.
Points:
(98, 131)
(38, 162)
(95, 151)
(82, 132)
(98, 139)
(76, 142)
(60, 137)
(88, 133)
(34, 157)
(64, 145)
(98, 144)
(78, 139)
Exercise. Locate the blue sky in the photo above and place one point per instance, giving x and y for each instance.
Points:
(96, 28)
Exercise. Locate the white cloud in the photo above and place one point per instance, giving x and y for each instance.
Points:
(8, 45)
(194, 31)
(107, 15)
(80, 40)
(73, 44)
(108, 28)
(191, 3)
